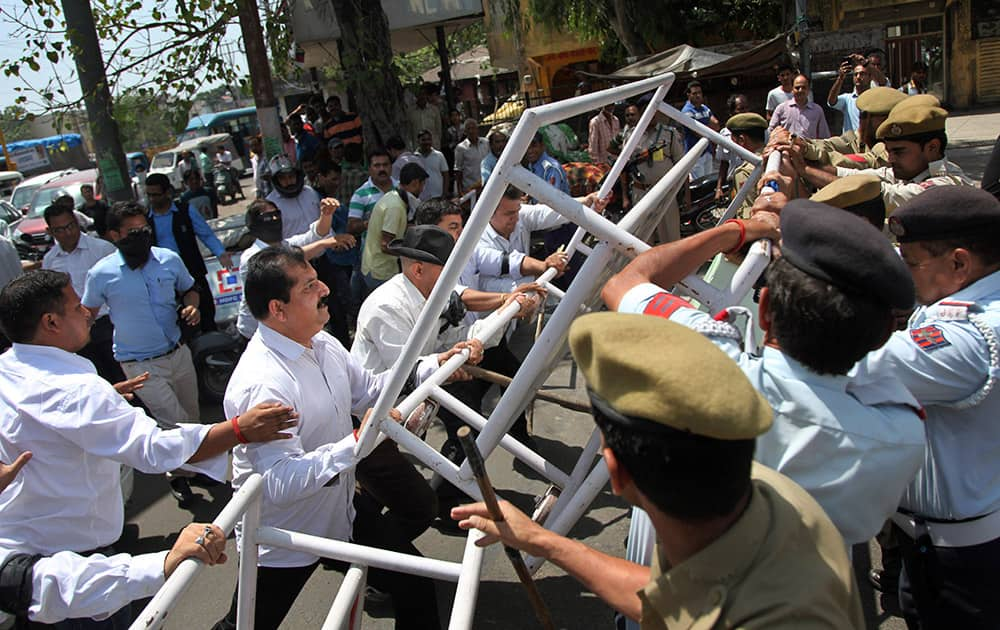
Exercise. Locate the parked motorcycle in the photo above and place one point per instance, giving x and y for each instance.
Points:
(705, 210)
(227, 184)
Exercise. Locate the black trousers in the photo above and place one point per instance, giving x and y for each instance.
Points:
(206, 305)
(100, 353)
(949, 587)
(497, 359)
(338, 279)
(414, 598)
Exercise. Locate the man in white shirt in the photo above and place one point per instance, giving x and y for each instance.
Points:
(310, 485)
(264, 221)
(438, 176)
(781, 93)
(80, 429)
(49, 590)
(469, 155)
(75, 252)
(299, 203)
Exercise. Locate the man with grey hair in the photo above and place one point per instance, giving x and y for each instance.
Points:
(469, 155)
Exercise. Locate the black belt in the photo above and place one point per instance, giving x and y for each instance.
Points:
(158, 356)
(929, 519)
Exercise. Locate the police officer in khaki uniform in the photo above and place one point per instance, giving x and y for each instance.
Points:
(859, 194)
(748, 130)
(874, 106)
(915, 139)
(659, 148)
(739, 544)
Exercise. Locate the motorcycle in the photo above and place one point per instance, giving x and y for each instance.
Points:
(227, 184)
(215, 353)
(705, 210)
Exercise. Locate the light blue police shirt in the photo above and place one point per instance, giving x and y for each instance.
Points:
(945, 361)
(853, 445)
(143, 302)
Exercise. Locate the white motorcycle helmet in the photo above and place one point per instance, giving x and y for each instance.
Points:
(279, 165)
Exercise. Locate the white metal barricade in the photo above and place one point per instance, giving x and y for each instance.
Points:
(616, 244)
(345, 612)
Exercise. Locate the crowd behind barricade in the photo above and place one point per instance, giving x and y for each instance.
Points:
(867, 411)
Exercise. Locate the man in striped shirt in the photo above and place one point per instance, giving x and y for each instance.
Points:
(363, 201)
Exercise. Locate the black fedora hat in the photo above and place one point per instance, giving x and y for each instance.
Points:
(426, 243)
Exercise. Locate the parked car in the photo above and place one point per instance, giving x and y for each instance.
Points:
(9, 180)
(8, 216)
(29, 235)
(21, 197)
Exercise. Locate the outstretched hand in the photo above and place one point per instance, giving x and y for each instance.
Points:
(265, 422)
(8, 472)
(517, 530)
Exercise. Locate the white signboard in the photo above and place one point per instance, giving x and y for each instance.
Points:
(30, 158)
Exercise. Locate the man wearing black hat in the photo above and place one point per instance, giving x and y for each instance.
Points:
(949, 357)
(739, 545)
(828, 301)
(390, 313)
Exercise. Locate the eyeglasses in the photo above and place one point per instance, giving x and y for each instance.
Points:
(140, 230)
(64, 229)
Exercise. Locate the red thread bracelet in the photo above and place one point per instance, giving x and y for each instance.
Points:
(236, 429)
(355, 435)
(743, 235)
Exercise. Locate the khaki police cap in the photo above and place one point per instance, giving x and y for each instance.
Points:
(879, 101)
(904, 122)
(849, 191)
(740, 122)
(646, 367)
(921, 100)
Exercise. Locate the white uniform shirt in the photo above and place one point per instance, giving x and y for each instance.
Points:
(387, 318)
(853, 444)
(79, 261)
(245, 321)
(80, 429)
(298, 212)
(308, 479)
(492, 246)
(69, 586)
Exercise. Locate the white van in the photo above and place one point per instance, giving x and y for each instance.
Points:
(169, 162)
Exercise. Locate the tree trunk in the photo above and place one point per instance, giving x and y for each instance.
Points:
(367, 62)
(623, 24)
(260, 77)
(82, 35)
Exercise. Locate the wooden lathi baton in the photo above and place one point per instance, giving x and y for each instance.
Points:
(490, 498)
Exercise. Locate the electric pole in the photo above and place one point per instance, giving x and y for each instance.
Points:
(82, 35)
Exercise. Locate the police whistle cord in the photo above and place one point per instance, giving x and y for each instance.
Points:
(478, 467)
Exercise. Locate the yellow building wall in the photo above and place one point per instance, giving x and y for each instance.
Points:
(963, 51)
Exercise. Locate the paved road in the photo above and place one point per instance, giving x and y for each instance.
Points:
(153, 519)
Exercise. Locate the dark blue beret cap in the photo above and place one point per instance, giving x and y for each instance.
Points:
(946, 212)
(845, 250)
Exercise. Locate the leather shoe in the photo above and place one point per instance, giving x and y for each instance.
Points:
(181, 490)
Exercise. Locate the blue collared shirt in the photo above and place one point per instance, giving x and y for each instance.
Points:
(165, 230)
(853, 443)
(945, 361)
(550, 170)
(143, 301)
(847, 104)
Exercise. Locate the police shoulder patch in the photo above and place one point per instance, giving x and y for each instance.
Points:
(665, 304)
(929, 338)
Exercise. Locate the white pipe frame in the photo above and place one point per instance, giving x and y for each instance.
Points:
(579, 487)
(347, 605)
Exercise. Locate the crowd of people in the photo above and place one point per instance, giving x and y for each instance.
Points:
(866, 412)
